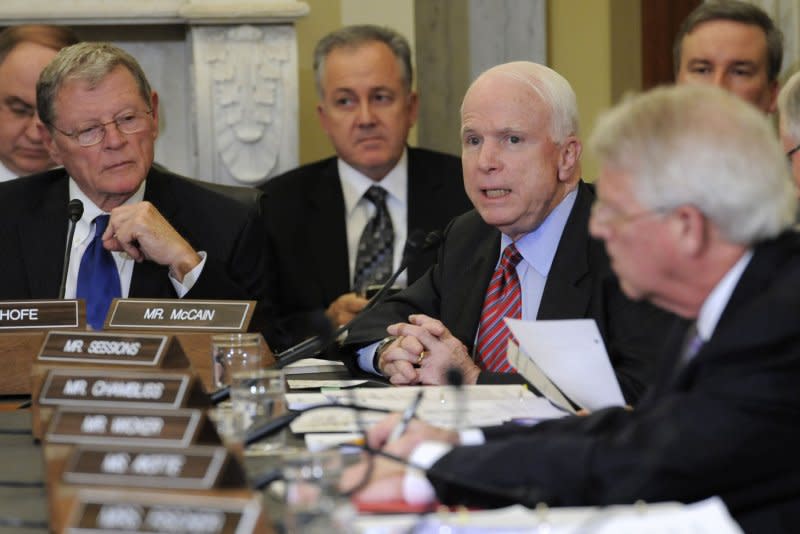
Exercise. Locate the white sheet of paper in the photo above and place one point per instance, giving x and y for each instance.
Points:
(297, 383)
(572, 354)
(313, 365)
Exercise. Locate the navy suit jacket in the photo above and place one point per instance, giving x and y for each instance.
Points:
(33, 233)
(580, 285)
(306, 235)
(725, 424)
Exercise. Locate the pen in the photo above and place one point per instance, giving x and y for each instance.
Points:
(400, 429)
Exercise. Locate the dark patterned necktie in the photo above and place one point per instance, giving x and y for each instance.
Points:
(376, 247)
(503, 299)
(98, 279)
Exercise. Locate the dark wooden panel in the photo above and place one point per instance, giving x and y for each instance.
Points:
(660, 22)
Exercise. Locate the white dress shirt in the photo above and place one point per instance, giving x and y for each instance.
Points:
(5, 174)
(84, 233)
(359, 210)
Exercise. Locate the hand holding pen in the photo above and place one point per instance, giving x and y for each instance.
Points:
(408, 414)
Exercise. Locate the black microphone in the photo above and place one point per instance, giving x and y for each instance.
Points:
(415, 245)
(75, 211)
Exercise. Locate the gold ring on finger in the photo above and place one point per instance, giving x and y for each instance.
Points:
(421, 357)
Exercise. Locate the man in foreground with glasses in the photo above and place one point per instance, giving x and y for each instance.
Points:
(524, 252)
(713, 245)
(144, 232)
(24, 52)
(789, 113)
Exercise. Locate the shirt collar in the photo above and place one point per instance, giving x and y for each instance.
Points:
(715, 303)
(355, 184)
(538, 248)
(90, 209)
(6, 174)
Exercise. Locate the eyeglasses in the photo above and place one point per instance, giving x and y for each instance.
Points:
(127, 123)
(792, 152)
(604, 215)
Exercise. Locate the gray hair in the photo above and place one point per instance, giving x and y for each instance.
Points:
(356, 36)
(90, 62)
(554, 90)
(735, 11)
(789, 106)
(701, 146)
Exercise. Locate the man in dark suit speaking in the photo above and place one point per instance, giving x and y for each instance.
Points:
(337, 226)
(694, 205)
(524, 251)
(144, 232)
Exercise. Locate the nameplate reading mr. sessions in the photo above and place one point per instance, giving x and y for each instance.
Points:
(192, 468)
(100, 388)
(180, 314)
(111, 349)
(131, 511)
(38, 314)
(155, 428)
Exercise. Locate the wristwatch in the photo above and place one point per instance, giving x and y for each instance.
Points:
(385, 342)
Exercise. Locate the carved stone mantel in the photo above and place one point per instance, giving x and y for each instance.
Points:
(225, 71)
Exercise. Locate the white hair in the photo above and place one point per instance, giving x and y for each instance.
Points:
(705, 147)
(554, 90)
(789, 106)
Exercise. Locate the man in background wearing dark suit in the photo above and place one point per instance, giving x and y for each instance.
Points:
(144, 232)
(521, 159)
(319, 215)
(694, 204)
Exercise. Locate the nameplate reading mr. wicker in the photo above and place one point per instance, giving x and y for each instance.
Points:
(131, 511)
(195, 468)
(101, 389)
(181, 314)
(154, 428)
(39, 314)
(100, 348)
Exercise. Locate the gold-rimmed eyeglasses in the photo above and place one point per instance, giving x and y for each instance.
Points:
(605, 215)
(127, 123)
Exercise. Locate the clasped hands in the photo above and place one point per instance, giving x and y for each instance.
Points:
(423, 353)
(143, 233)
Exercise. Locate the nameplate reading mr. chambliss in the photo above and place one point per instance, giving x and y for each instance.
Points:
(100, 348)
(38, 314)
(99, 388)
(181, 314)
(132, 511)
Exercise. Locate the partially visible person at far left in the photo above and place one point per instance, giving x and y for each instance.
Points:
(145, 232)
(24, 52)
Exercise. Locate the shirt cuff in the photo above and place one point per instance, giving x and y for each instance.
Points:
(471, 436)
(190, 278)
(366, 355)
(417, 489)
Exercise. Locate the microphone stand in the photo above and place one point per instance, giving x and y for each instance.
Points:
(75, 210)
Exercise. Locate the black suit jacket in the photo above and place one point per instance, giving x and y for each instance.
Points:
(580, 285)
(33, 233)
(307, 236)
(726, 424)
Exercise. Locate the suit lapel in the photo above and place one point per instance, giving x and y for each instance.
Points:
(423, 192)
(325, 233)
(44, 236)
(564, 296)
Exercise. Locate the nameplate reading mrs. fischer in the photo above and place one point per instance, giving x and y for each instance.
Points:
(155, 428)
(192, 468)
(100, 388)
(131, 511)
(102, 348)
(39, 314)
(181, 314)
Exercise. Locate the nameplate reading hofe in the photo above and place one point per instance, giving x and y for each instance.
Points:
(156, 428)
(181, 314)
(97, 388)
(192, 468)
(39, 314)
(132, 511)
(99, 348)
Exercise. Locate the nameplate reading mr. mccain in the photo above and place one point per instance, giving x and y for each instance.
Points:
(181, 314)
(100, 348)
(38, 314)
(99, 388)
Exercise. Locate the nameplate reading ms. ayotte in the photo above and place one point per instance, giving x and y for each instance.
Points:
(181, 314)
(153, 428)
(39, 314)
(136, 511)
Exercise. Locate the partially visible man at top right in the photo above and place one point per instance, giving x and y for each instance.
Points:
(733, 45)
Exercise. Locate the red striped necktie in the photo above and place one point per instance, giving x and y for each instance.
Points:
(503, 299)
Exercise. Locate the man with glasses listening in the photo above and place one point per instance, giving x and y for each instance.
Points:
(144, 232)
(789, 112)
